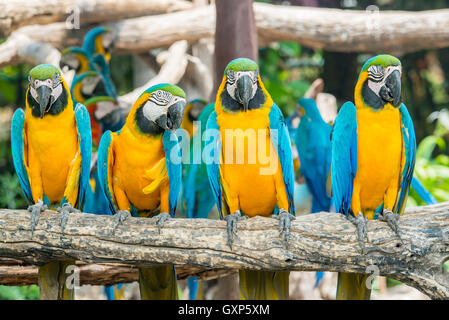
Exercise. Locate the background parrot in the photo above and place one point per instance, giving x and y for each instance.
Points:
(242, 103)
(373, 157)
(312, 139)
(51, 149)
(138, 177)
(99, 40)
(314, 149)
(93, 86)
(197, 197)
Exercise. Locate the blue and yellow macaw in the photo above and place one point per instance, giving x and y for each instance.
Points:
(140, 174)
(88, 85)
(251, 186)
(99, 40)
(51, 149)
(197, 197)
(314, 149)
(373, 157)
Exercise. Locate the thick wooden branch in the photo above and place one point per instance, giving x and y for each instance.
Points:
(18, 13)
(324, 241)
(17, 273)
(329, 29)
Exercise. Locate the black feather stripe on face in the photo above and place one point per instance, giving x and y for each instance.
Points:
(371, 98)
(144, 125)
(230, 104)
(57, 107)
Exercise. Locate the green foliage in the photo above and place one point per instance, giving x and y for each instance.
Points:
(287, 71)
(19, 293)
(432, 162)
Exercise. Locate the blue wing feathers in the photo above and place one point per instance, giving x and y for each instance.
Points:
(17, 124)
(344, 157)
(174, 169)
(282, 143)
(103, 166)
(408, 135)
(212, 164)
(85, 144)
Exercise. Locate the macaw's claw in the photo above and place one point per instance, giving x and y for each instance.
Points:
(231, 226)
(392, 219)
(119, 218)
(362, 230)
(36, 210)
(160, 220)
(64, 214)
(285, 220)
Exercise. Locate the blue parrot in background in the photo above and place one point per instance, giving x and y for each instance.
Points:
(314, 149)
(197, 197)
(312, 139)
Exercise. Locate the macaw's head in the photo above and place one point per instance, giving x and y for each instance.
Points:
(99, 40)
(88, 85)
(242, 91)
(379, 83)
(160, 108)
(47, 92)
(74, 58)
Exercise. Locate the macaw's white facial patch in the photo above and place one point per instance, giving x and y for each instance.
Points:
(89, 84)
(71, 62)
(104, 108)
(232, 78)
(377, 75)
(159, 103)
(54, 84)
(107, 40)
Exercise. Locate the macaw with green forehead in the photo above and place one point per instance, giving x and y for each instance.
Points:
(373, 157)
(140, 173)
(51, 149)
(254, 187)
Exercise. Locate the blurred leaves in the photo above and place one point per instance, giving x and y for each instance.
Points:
(19, 293)
(287, 71)
(432, 162)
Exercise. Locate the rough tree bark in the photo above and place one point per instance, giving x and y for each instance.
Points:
(17, 273)
(18, 13)
(318, 242)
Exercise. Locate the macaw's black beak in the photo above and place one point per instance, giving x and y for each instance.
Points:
(244, 91)
(391, 92)
(172, 120)
(44, 99)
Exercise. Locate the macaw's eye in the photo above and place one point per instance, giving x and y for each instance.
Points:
(36, 82)
(376, 73)
(230, 76)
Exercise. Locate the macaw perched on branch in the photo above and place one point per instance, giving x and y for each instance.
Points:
(373, 157)
(252, 185)
(51, 148)
(140, 172)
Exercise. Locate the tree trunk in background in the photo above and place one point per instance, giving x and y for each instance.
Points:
(340, 75)
(235, 35)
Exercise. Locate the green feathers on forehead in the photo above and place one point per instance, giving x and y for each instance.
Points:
(174, 90)
(44, 71)
(242, 64)
(383, 60)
